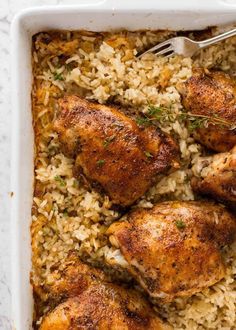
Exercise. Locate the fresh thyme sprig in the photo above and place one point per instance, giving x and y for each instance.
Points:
(198, 121)
(156, 115)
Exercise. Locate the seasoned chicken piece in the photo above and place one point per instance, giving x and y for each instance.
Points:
(111, 150)
(103, 306)
(73, 279)
(217, 176)
(174, 248)
(212, 94)
(94, 303)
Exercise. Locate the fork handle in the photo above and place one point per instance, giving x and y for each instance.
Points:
(214, 40)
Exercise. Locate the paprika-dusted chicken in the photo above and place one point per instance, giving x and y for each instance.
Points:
(73, 279)
(216, 176)
(111, 150)
(103, 307)
(174, 249)
(100, 305)
(212, 94)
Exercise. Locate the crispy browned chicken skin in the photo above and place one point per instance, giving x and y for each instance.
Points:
(74, 278)
(174, 248)
(103, 307)
(111, 150)
(217, 176)
(100, 305)
(212, 94)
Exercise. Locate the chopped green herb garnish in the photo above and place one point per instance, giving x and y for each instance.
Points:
(108, 141)
(59, 179)
(100, 162)
(148, 154)
(68, 68)
(180, 224)
(65, 213)
(57, 76)
(75, 184)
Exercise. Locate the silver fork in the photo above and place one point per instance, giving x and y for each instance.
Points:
(185, 46)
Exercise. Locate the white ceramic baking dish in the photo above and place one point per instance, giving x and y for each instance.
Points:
(92, 15)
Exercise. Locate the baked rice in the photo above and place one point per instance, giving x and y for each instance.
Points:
(65, 215)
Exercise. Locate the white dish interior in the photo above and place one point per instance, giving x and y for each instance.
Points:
(96, 16)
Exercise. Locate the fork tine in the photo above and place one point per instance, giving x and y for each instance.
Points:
(151, 50)
(170, 55)
(164, 51)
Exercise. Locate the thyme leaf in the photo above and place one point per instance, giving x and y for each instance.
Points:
(148, 154)
(65, 213)
(58, 76)
(75, 184)
(143, 121)
(100, 162)
(59, 179)
(108, 141)
(197, 123)
(68, 68)
(180, 224)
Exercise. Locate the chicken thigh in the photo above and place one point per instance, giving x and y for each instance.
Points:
(74, 278)
(174, 249)
(212, 94)
(111, 150)
(101, 305)
(216, 176)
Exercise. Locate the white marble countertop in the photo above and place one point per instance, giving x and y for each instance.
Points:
(8, 8)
